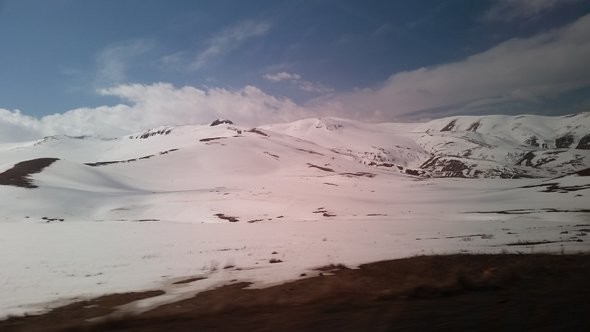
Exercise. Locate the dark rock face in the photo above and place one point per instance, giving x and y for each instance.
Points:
(449, 126)
(532, 141)
(442, 167)
(414, 172)
(220, 121)
(473, 127)
(564, 141)
(454, 168)
(257, 131)
(527, 159)
(584, 143)
(150, 133)
(430, 162)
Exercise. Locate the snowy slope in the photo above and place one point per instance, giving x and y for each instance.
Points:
(506, 146)
(151, 208)
(189, 173)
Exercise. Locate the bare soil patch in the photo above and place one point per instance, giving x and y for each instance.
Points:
(62, 318)
(322, 168)
(310, 152)
(427, 293)
(209, 139)
(18, 175)
(359, 174)
(228, 218)
(257, 131)
(189, 280)
(112, 162)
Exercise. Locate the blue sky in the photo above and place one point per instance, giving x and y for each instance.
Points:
(373, 60)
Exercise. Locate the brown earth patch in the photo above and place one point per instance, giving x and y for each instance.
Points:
(322, 168)
(449, 126)
(228, 218)
(61, 319)
(111, 162)
(189, 280)
(257, 131)
(209, 139)
(359, 174)
(427, 293)
(310, 152)
(272, 155)
(18, 175)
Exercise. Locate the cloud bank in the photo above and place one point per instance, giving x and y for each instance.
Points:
(148, 106)
(518, 70)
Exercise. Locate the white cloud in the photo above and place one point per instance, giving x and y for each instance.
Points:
(298, 81)
(112, 61)
(154, 105)
(228, 39)
(282, 76)
(518, 70)
(15, 126)
(509, 10)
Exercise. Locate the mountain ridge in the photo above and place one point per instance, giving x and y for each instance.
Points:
(464, 146)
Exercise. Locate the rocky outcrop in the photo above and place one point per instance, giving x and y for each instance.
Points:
(220, 121)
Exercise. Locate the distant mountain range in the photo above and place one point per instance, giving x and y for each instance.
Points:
(465, 146)
(275, 166)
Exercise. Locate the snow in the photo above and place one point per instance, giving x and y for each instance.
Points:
(151, 219)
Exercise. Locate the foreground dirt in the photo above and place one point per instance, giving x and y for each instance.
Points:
(430, 293)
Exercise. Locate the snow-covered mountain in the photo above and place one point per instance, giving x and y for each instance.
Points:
(274, 162)
(466, 146)
(506, 146)
(90, 215)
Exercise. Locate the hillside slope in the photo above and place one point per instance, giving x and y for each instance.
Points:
(188, 173)
(506, 146)
(85, 216)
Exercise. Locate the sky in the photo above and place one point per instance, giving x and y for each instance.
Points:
(111, 67)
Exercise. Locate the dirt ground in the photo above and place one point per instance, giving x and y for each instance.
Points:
(427, 293)
(18, 175)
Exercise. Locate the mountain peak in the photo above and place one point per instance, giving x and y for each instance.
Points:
(220, 121)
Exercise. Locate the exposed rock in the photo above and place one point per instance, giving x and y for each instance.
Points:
(225, 217)
(150, 133)
(19, 174)
(414, 172)
(454, 168)
(584, 143)
(527, 159)
(208, 139)
(473, 127)
(220, 121)
(449, 126)
(325, 169)
(257, 131)
(532, 141)
(564, 141)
